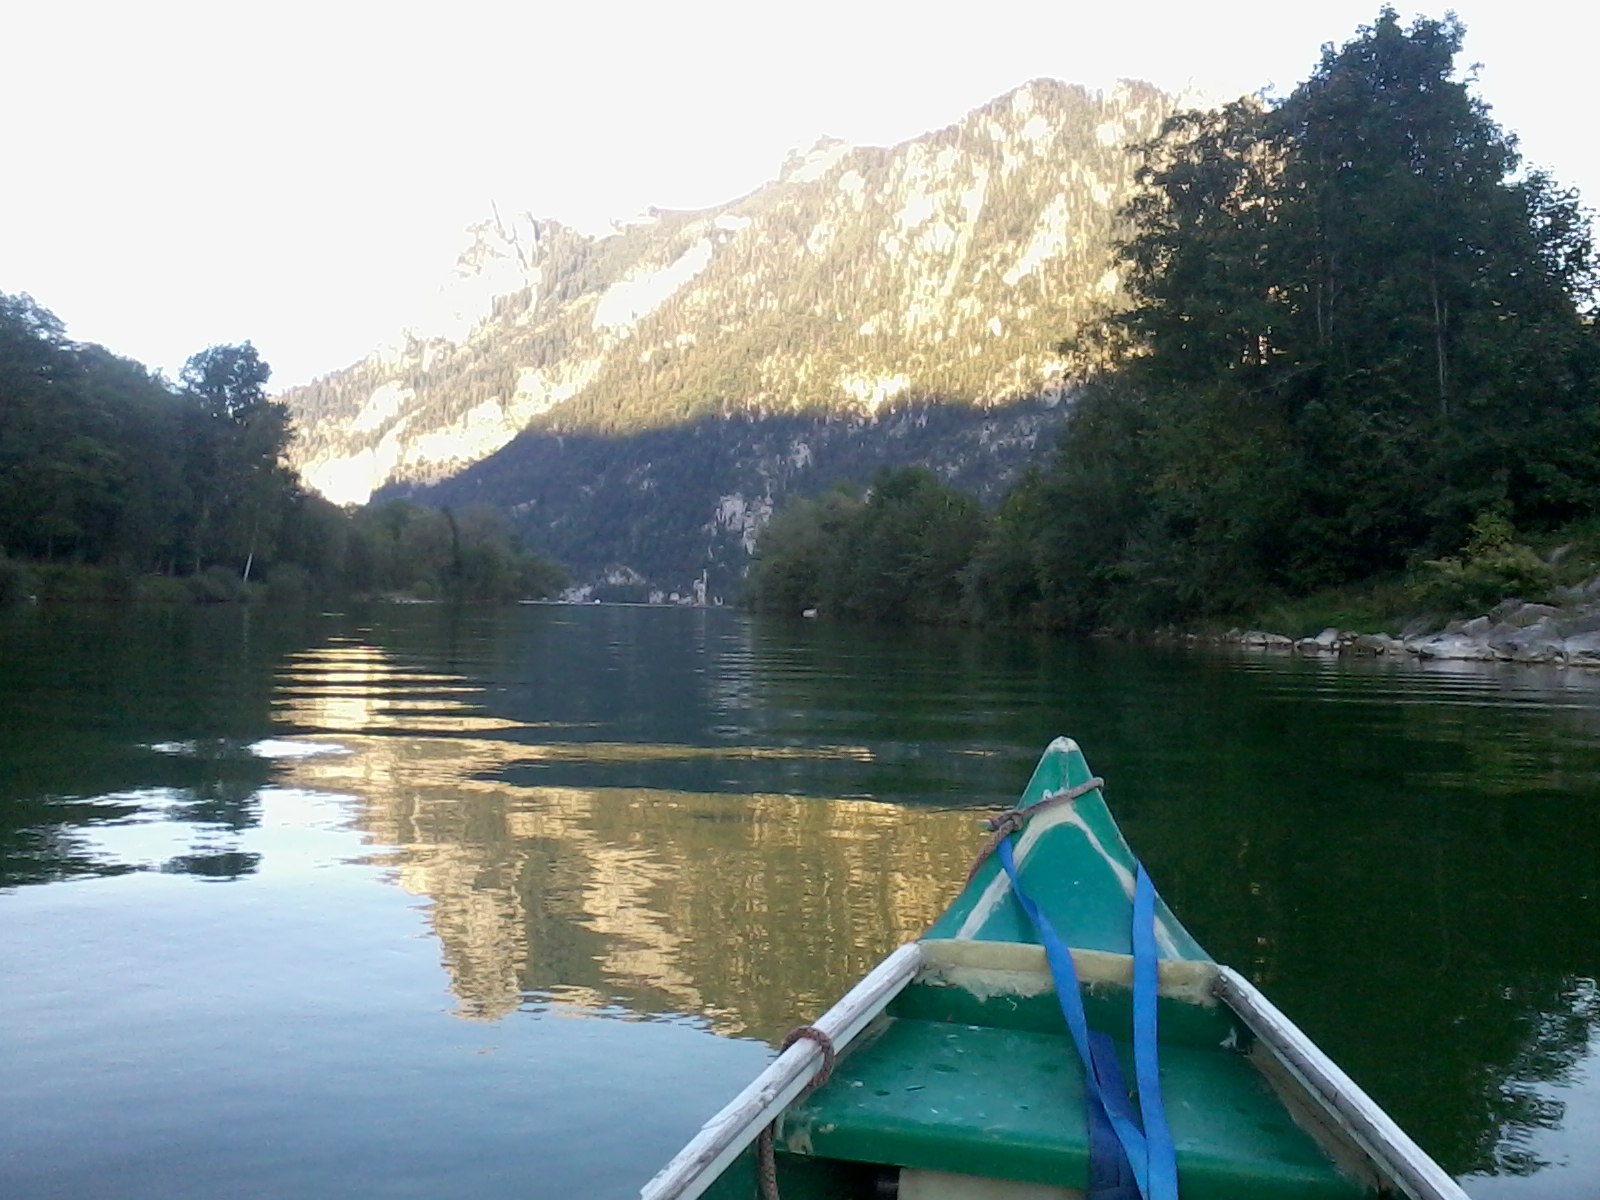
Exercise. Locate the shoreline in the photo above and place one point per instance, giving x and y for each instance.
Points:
(1515, 631)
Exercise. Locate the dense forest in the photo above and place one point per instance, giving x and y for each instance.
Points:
(1357, 344)
(117, 484)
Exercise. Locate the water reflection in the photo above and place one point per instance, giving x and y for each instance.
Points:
(746, 909)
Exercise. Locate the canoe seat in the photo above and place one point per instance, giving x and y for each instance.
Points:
(1009, 1104)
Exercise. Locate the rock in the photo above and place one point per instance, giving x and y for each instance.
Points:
(1539, 643)
(1308, 645)
(1504, 609)
(1328, 638)
(1584, 622)
(1416, 627)
(1582, 650)
(1265, 641)
(1502, 638)
(1451, 646)
(1528, 614)
(1373, 643)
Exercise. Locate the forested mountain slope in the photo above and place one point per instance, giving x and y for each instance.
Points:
(862, 283)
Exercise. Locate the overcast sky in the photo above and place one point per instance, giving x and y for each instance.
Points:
(177, 174)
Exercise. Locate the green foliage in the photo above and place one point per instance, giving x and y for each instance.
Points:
(796, 549)
(1491, 567)
(1353, 328)
(399, 548)
(230, 382)
(900, 554)
(217, 585)
(109, 476)
(75, 583)
(1383, 605)
(16, 581)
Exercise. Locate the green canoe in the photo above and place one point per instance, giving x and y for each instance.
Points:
(958, 1075)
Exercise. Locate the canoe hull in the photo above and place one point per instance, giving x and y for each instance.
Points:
(956, 1079)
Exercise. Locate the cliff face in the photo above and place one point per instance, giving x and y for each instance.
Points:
(862, 290)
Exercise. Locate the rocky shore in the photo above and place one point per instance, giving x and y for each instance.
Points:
(1564, 633)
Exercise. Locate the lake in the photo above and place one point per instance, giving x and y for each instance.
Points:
(414, 901)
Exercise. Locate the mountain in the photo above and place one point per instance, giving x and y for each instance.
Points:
(639, 401)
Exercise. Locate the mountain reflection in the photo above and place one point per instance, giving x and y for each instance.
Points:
(753, 911)
(724, 906)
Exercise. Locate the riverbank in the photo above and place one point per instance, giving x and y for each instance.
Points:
(73, 583)
(1564, 632)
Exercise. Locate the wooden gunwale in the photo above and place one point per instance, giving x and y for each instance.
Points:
(1392, 1151)
(1313, 1074)
(721, 1139)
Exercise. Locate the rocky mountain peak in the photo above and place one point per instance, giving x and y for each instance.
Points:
(862, 281)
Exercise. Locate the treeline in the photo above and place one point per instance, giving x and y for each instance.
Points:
(1356, 341)
(116, 483)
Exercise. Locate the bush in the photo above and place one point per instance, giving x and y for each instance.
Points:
(16, 581)
(900, 555)
(1492, 567)
(289, 583)
(69, 583)
(162, 589)
(218, 585)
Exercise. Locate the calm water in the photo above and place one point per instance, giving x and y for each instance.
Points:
(414, 902)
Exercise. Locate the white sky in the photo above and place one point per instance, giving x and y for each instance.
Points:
(175, 174)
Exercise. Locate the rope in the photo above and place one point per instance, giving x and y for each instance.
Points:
(766, 1158)
(1012, 820)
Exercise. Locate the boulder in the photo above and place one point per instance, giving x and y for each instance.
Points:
(1504, 609)
(1538, 642)
(1502, 638)
(1328, 638)
(1373, 643)
(1417, 627)
(1265, 641)
(1582, 650)
(1583, 622)
(1451, 646)
(1530, 614)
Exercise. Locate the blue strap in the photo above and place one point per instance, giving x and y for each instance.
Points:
(1152, 1161)
(1066, 977)
(1110, 1177)
(1163, 1160)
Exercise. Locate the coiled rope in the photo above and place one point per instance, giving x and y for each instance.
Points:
(766, 1157)
(1012, 820)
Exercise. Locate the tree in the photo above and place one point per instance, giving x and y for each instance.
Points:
(82, 436)
(898, 555)
(230, 382)
(236, 442)
(1352, 331)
